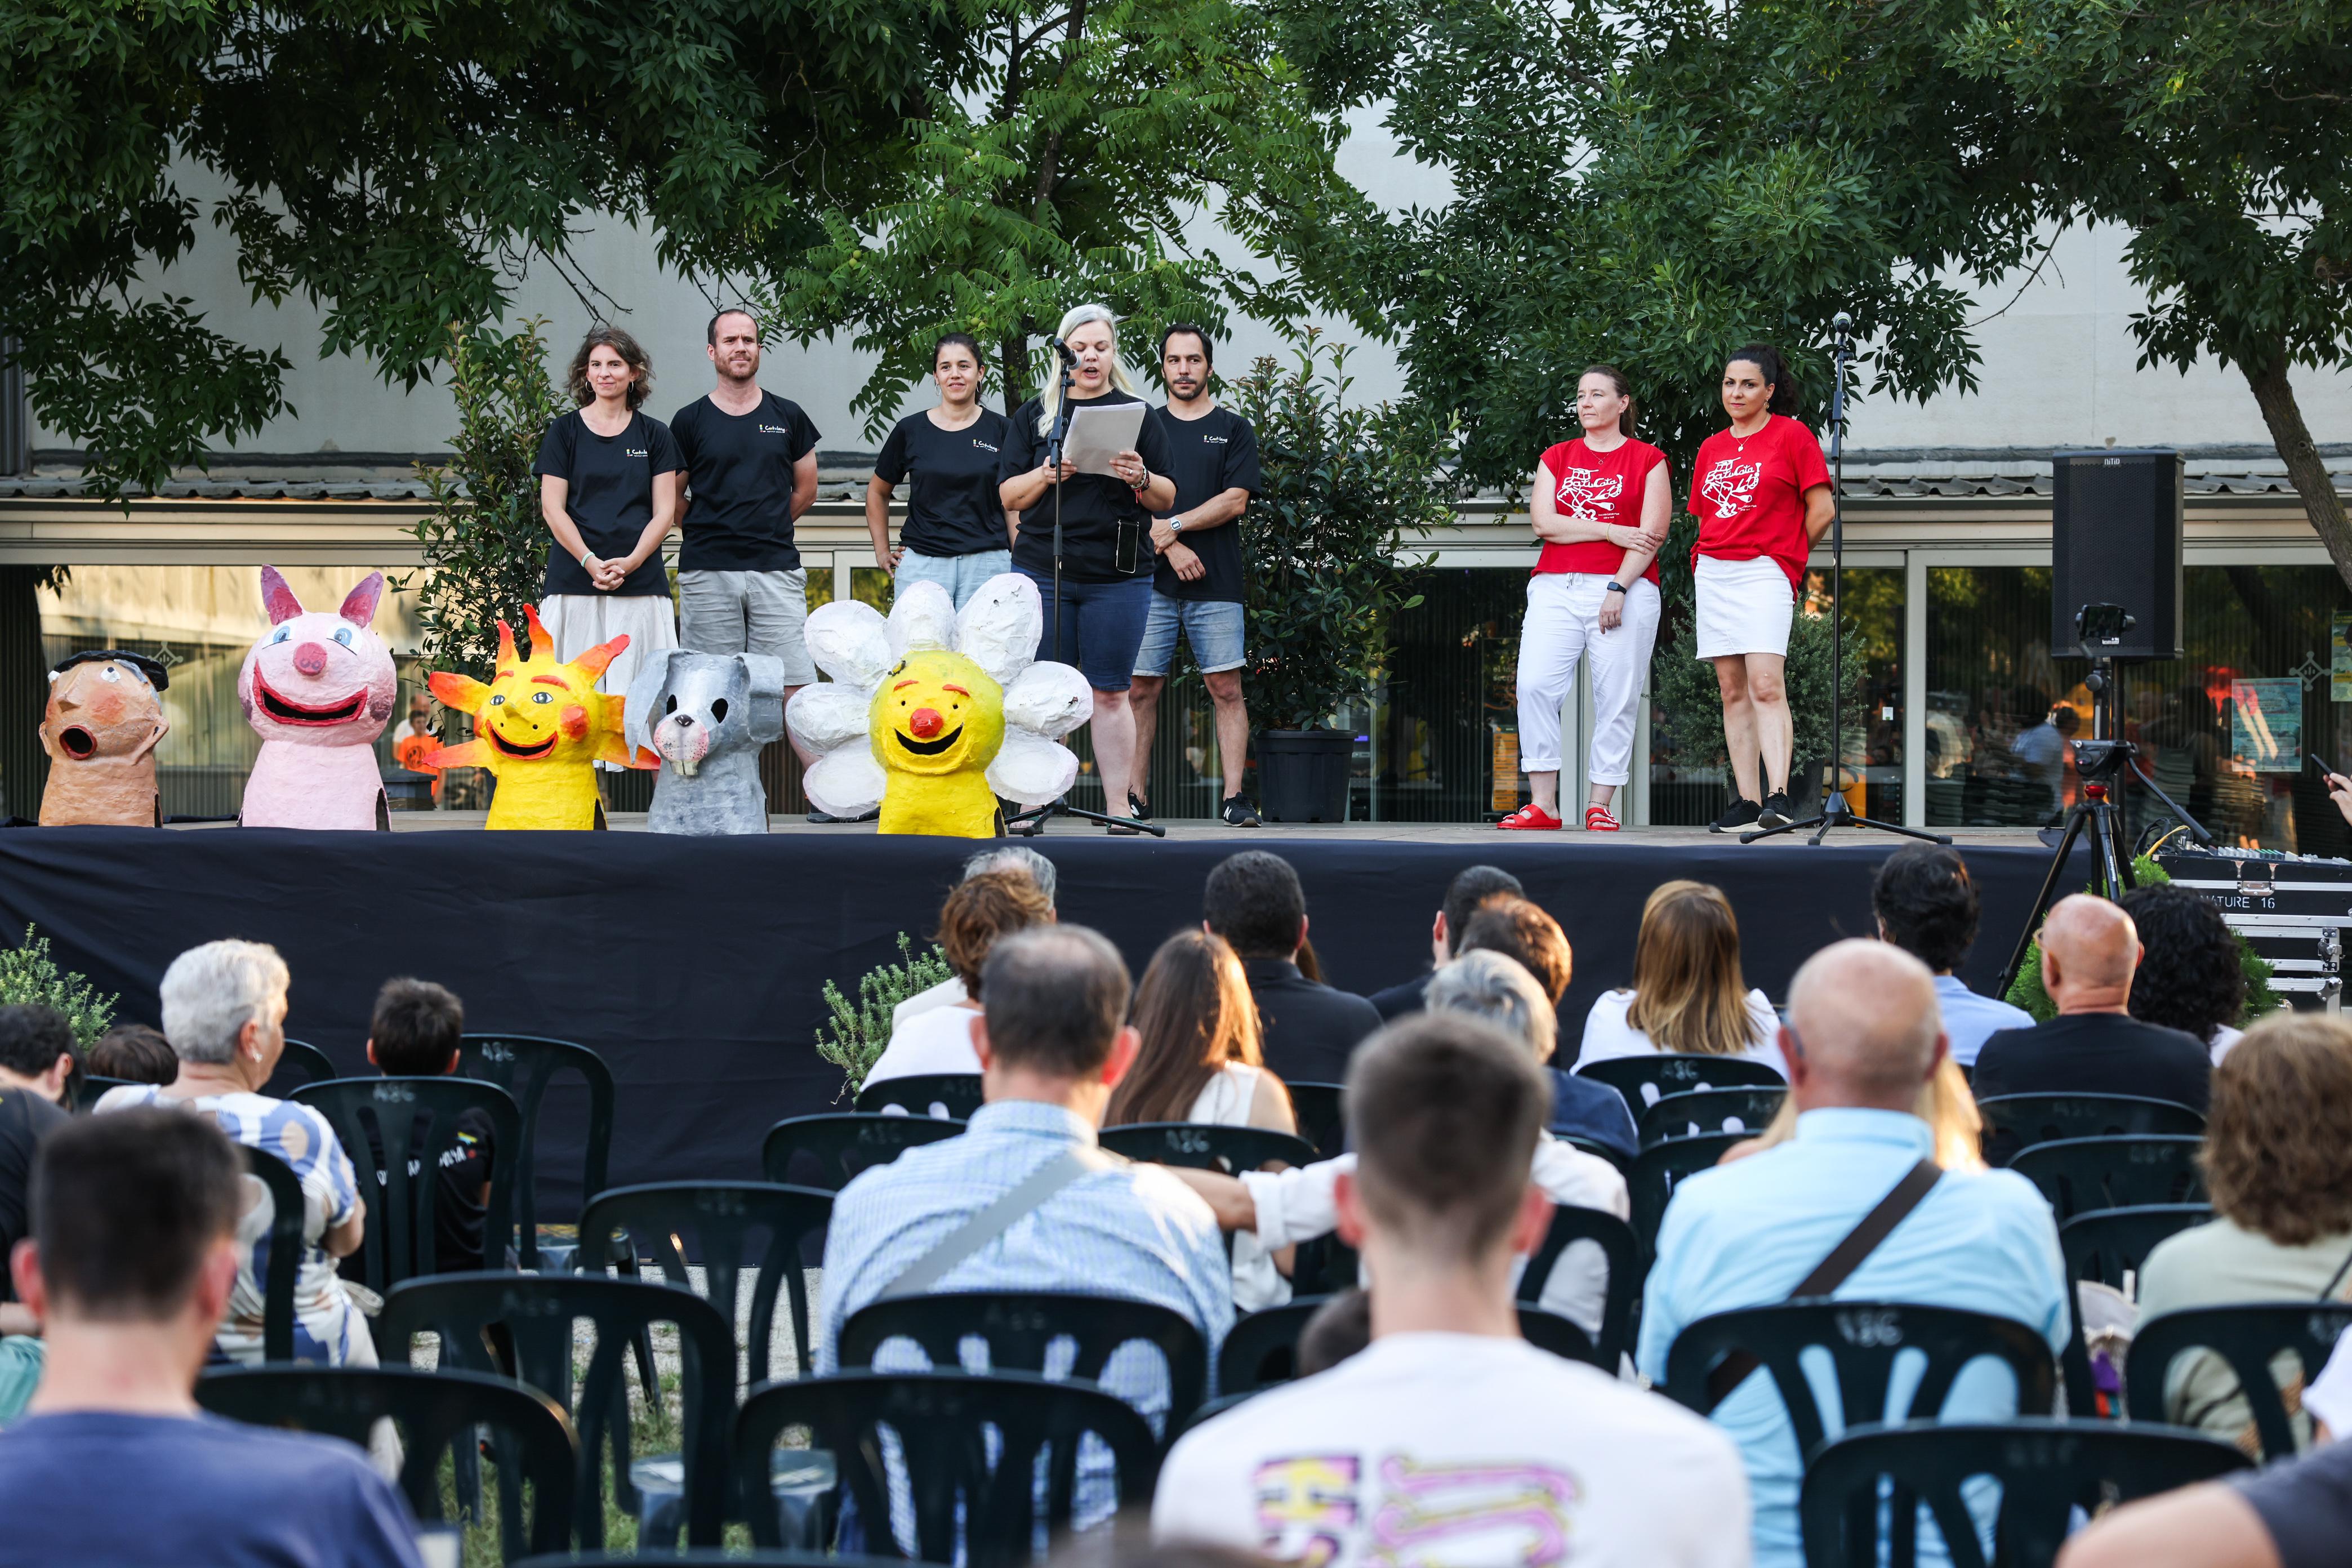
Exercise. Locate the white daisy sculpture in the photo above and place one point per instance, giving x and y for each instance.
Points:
(933, 715)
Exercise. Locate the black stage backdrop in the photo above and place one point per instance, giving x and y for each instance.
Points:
(694, 965)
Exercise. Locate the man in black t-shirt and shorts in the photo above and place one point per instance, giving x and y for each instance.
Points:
(751, 471)
(1196, 588)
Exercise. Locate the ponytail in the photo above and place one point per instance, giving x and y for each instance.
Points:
(1766, 359)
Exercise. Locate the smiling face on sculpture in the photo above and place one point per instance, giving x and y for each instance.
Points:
(937, 712)
(539, 725)
(317, 678)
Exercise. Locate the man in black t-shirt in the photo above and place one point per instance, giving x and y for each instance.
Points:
(1197, 587)
(36, 1057)
(416, 1033)
(750, 472)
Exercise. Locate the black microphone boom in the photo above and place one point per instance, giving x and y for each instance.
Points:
(1063, 349)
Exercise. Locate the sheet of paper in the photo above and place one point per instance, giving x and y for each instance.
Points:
(1099, 435)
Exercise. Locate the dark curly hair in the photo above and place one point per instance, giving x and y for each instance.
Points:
(575, 380)
(2189, 978)
(1927, 905)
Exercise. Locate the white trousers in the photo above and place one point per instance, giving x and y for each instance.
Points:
(1563, 625)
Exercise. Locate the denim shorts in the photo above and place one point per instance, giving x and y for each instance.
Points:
(1102, 622)
(960, 576)
(1214, 631)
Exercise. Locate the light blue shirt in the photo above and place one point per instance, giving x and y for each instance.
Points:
(1970, 1019)
(1745, 1235)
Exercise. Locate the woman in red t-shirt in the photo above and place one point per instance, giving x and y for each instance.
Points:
(1601, 506)
(1761, 492)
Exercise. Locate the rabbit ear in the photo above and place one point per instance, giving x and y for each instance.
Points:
(278, 600)
(359, 605)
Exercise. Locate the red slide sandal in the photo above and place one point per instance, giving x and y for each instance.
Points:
(1530, 818)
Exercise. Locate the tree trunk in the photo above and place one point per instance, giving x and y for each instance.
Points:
(24, 691)
(2304, 466)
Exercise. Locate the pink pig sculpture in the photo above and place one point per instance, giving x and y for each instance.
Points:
(318, 689)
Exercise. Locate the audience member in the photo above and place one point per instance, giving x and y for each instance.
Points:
(225, 1014)
(136, 1258)
(36, 1054)
(2192, 979)
(1862, 1040)
(133, 1053)
(1471, 886)
(1927, 905)
(1449, 1435)
(1015, 858)
(1515, 929)
(2292, 1515)
(982, 909)
(2278, 1163)
(1687, 997)
(1946, 1104)
(1308, 1029)
(416, 1031)
(1341, 1327)
(1198, 1060)
(2089, 952)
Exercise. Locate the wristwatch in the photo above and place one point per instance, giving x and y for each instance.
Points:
(1176, 525)
(1615, 587)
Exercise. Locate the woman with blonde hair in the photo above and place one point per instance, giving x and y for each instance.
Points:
(1688, 996)
(1945, 1104)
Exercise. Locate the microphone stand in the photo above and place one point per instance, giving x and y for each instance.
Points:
(1835, 811)
(1031, 824)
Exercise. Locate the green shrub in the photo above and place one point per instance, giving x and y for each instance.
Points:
(28, 974)
(859, 1033)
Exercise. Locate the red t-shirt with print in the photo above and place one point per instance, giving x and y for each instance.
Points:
(1748, 493)
(1598, 487)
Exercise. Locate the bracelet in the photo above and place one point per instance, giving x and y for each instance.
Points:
(1143, 484)
(585, 559)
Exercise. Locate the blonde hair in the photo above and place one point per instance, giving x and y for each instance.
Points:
(1945, 1104)
(1049, 401)
(1688, 995)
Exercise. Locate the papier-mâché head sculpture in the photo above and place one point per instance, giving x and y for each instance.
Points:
(100, 728)
(317, 689)
(540, 728)
(705, 716)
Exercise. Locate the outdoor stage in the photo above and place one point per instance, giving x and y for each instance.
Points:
(695, 965)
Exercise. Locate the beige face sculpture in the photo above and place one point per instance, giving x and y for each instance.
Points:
(100, 728)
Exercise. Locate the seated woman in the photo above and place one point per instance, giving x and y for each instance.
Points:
(981, 908)
(1199, 1061)
(2190, 977)
(225, 1014)
(1687, 996)
(2278, 1162)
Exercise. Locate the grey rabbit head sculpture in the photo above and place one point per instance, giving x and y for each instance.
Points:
(705, 715)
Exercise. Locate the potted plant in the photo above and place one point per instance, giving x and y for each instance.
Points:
(1344, 488)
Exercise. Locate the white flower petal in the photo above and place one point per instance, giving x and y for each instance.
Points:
(847, 783)
(1049, 697)
(998, 627)
(829, 716)
(849, 642)
(922, 615)
(1030, 770)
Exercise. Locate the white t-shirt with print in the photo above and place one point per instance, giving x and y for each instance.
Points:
(1460, 1449)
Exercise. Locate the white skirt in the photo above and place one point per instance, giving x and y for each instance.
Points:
(1744, 606)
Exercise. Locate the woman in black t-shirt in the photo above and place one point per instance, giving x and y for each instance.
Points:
(609, 483)
(1106, 579)
(957, 532)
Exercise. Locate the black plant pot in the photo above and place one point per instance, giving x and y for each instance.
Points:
(1302, 775)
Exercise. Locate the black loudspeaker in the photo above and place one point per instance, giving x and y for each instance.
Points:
(2115, 539)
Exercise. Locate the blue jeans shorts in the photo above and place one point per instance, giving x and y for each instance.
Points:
(1102, 624)
(1215, 630)
(960, 576)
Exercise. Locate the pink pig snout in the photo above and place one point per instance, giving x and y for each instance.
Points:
(311, 657)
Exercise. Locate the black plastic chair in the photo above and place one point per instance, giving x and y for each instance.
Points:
(283, 1265)
(1019, 1327)
(1594, 1146)
(710, 1559)
(1262, 1349)
(2107, 1245)
(1200, 1146)
(537, 1313)
(2081, 1176)
(964, 1488)
(1656, 1173)
(1646, 1079)
(303, 1063)
(840, 1144)
(2249, 1338)
(2015, 1122)
(436, 1412)
(2046, 1470)
(955, 1093)
(523, 1065)
(89, 1088)
(1707, 1110)
(1864, 1340)
(1322, 1112)
(417, 1118)
(1616, 1240)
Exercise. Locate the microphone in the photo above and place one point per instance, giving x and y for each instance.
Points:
(1842, 323)
(1063, 349)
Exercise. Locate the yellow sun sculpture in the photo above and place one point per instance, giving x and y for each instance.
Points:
(540, 728)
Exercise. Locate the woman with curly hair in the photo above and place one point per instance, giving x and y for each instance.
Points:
(2189, 978)
(2278, 1162)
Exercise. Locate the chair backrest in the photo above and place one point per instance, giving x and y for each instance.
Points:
(277, 1255)
(2046, 1468)
(2106, 1245)
(89, 1088)
(1019, 1327)
(714, 1222)
(840, 1144)
(1200, 1146)
(1660, 1167)
(2079, 1176)
(953, 1095)
(415, 1119)
(1262, 1348)
(2249, 1338)
(718, 1558)
(523, 1065)
(303, 1063)
(1707, 1110)
(539, 1313)
(1322, 1112)
(1647, 1078)
(2014, 1122)
(1865, 1340)
(961, 1486)
(1616, 1240)
(1594, 1147)
(436, 1412)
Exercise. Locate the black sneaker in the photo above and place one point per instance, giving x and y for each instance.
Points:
(1140, 810)
(1239, 812)
(1740, 814)
(1777, 812)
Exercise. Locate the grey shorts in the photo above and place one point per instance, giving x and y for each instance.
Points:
(747, 611)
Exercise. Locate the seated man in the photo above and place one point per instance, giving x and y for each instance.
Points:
(135, 1216)
(1471, 886)
(1580, 1107)
(135, 1053)
(1451, 1439)
(1863, 1038)
(416, 1032)
(1928, 907)
(1308, 1029)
